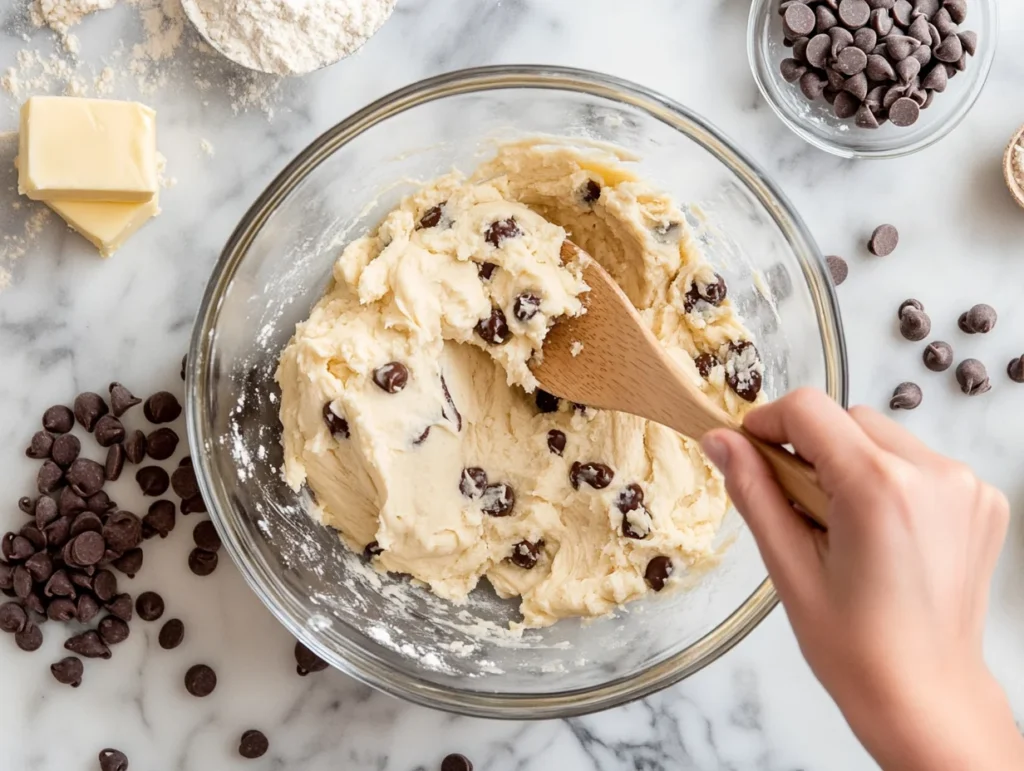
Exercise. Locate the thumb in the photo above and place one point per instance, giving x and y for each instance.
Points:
(785, 539)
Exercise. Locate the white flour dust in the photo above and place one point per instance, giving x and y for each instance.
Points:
(289, 37)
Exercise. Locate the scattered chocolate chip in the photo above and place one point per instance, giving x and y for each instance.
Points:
(306, 661)
(86, 477)
(88, 548)
(391, 377)
(597, 475)
(80, 578)
(556, 441)
(149, 606)
(70, 504)
(161, 407)
(34, 536)
(915, 324)
(473, 482)
(88, 644)
(494, 329)
(205, 536)
(30, 638)
(184, 365)
(498, 499)
(57, 532)
(123, 531)
(113, 760)
(336, 424)
(40, 446)
(202, 563)
(432, 217)
(456, 762)
(884, 240)
(35, 603)
(115, 462)
(18, 548)
(161, 443)
(713, 293)
(185, 461)
(58, 419)
(171, 634)
(1015, 369)
(743, 370)
(502, 230)
(65, 450)
(50, 477)
(135, 446)
(938, 356)
(907, 396)
(112, 630)
(980, 319)
(129, 563)
(159, 520)
(85, 521)
(40, 567)
(121, 606)
(12, 617)
(104, 585)
(153, 480)
(68, 671)
(46, 509)
(372, 549)
(527, 305)
(87, 608)
(546, 402)
(184, 482)
(972, 377)
(193, 505)
(109, 431)
(838, 268)
(122, 400)
(61, 609)
(485, 270)
(27, 505)
(658, 571)
(253, 744)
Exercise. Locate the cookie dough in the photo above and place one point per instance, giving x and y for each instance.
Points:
(410, 412)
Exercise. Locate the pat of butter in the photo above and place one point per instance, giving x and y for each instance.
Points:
(106, 225)
(87, 150)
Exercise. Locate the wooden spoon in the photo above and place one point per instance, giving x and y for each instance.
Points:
(623, 367)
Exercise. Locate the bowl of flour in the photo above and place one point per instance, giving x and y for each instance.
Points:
(287, 37)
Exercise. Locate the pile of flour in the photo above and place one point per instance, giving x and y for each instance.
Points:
(288, 37)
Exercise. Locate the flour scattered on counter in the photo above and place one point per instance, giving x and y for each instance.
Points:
(207, 147)
(62, 15)
(288, 38)
(576, 348)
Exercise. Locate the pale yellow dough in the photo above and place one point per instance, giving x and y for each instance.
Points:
(414, 295)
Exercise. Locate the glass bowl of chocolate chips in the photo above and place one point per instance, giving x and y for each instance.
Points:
(384, 629)
(872, 78)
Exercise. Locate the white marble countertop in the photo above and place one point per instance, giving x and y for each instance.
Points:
(70, 322)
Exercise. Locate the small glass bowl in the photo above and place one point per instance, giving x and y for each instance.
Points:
(816, 123)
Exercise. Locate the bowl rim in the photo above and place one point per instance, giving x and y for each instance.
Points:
(982, 68)
(360, 664)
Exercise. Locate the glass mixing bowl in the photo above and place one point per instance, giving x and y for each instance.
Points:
(381, 629)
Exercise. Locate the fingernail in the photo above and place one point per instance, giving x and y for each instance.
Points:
(716, 450)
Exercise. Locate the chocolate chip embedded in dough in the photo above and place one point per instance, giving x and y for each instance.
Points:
(485, 270)
(502, 230)
(162, 407)
(590, 191)
(498, 499)
(450, 411)
(526, 306)
(705, 362)
(938, 356)
(494, 328)
(884, 240)
(372, 549)
(556, 441)
(713, 293)
(336, 424)
(525, 554)
(972, 377)
(743, 370)
(546, 402)
(58, 419)
(473, 482)
(391, 377)
(432, 217)
(906, 396)
(658, 571)
(597, 475)
(307, 662)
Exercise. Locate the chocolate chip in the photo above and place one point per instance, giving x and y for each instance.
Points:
(391, 377)
(159, 520)
(527, 305)
(161, 407)
(498, 499)
(40, 567)
(21, 548)
(184, 482)
(705, 362)
(494, 329)
(12, 617)
(88, 644)
(884, 240)
(86, 477)
(184, 365)
(798, 20)
(914, 324)
(30, 638)
(81, 579)
(253, 744)
(865, 118)
(149, 606)
(50, 477)
(122, 400)
(818, 49)
(546, 402)
(161, 443)
(27, 505)
(865, 39)
(590, 191)
(969, 41)
(792, 70)
(34, 536)
(743, 370)
(88, 548)
(59, 585)
(153, 480)
(109, 431)
(65, 450)
(906, 396)
(171, 634)
(813, 84)
(972, 377)
(57, 532)
(85, 521)
(121, 606)
(658, 571)
(556, 441)
(456, 762)
(68, 671)
(713, 293)
(450, 411)
(129, 563)
(485, 270)
(904, 112)
(336, 424)
(841, 39)
(473, 482)
(597, 475)
(112, 630)
(58, 419)
(838, 268)
(980, 319)
(202, 563)
(193, 505)
(104, 585)
(938, 356)
(824, 19)
(113, 760)
(306, 661)
(371, 550)
(1015, 369)
(40, 446)
(21, 582)
(123, 531)
(205, 536)
(87, 608)
(432, 216)
(135, 446)
(950, 50)
(61, 609)
(525, 554)
(45, 509)
(502, 230)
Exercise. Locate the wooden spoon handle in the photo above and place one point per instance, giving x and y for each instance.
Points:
(797, 478)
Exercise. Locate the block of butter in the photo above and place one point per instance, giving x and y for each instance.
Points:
(73, 149)
(106, 225)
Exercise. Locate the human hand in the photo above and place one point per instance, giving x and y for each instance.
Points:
(889, 605)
